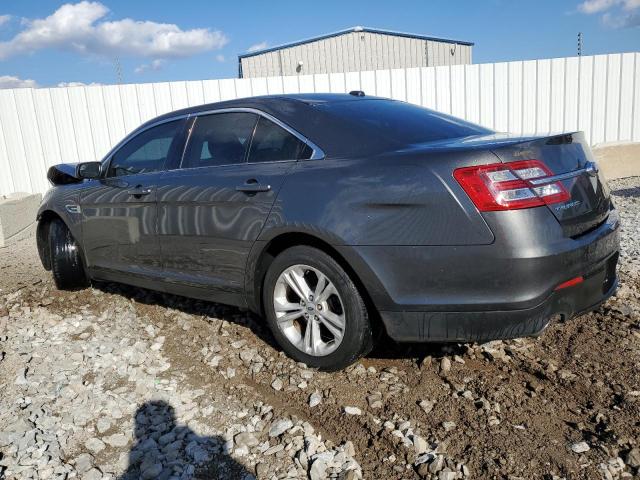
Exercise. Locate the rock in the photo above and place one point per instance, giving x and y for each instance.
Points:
(277, 384)
(262, 470)
(246, 439)
(94, 445)
(446, 474)
(83, 463)
(247, 355)
(167, 438)
(116, 440)
(493, 421)
(319, 466)
(152, 472)
(580, 447)
(426, 405)
(273, 450)
(103, 424)
(632, 458)
(448, 426)
(423, 470)
(352, 411)
(437, 464)
(93, 474)
(445, 365)
(21, 378)
(419, 444)
(315, 399)
(197, 452)
(352, 475)
(375, 400)
(279, 427)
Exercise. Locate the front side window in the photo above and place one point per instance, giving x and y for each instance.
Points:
(147, 151)
(272, 143)
(219, 139)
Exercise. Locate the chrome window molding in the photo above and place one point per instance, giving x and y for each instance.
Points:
(106, 161)
(317, 153)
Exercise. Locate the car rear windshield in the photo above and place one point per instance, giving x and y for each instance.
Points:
(399, 122)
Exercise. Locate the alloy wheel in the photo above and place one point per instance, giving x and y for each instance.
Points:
(309, 310)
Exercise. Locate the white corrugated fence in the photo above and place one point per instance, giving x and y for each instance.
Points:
(597, 94)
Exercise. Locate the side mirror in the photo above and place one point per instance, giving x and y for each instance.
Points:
(89, 170)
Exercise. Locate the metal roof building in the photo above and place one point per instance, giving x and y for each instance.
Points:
(354, 49)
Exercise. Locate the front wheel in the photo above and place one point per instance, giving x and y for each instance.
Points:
(315, 310)
(66, 260)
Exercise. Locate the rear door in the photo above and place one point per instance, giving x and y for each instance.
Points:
(571, 163)
(119, 211)
(213, 206)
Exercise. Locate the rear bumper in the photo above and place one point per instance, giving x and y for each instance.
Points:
(487, 292)
(599, 284)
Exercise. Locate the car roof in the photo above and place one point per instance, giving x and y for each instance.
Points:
(270, 101)
(299, 112)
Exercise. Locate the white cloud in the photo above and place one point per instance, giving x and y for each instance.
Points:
(155, 65)
(77, 84)
(8, 81)
(615, 13)
(4, 19)
(81, 27)
(595, 6)
(257, 46)
(220, 58)
(624, 20)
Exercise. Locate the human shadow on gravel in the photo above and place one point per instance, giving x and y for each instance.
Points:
(165, 450)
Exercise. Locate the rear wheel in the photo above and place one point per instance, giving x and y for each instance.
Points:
(66, 260)
(315, 310)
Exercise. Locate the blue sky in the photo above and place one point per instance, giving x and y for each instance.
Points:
(46, 42)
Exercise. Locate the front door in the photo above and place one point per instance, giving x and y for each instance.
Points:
(119, 211)
(213, 207)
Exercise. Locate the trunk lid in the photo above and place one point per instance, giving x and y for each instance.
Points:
(570, 160)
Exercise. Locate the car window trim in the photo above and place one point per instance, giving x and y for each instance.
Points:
(292, 132)
(106, 162)
(188, 139)
(317, 152)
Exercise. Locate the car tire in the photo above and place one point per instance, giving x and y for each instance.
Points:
(357, 336)
(67, 266)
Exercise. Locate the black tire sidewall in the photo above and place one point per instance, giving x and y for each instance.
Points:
(357, 329)
(67, 266)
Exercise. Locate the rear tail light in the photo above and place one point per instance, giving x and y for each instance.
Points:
(507, 186)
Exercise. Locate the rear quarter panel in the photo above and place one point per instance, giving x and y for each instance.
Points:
(406, 198)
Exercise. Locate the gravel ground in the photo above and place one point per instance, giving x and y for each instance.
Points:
(117, 382)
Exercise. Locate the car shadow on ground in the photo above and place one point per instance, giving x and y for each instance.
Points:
(626, 192)
(386, 348)
(190, 306)
(165, 450)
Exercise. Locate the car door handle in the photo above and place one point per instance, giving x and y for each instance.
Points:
(140, 191)
(252, 186)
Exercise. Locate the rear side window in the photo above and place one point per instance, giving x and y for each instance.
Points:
(219, 139)
(147, 151)
(399, 122)
(272, 143)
